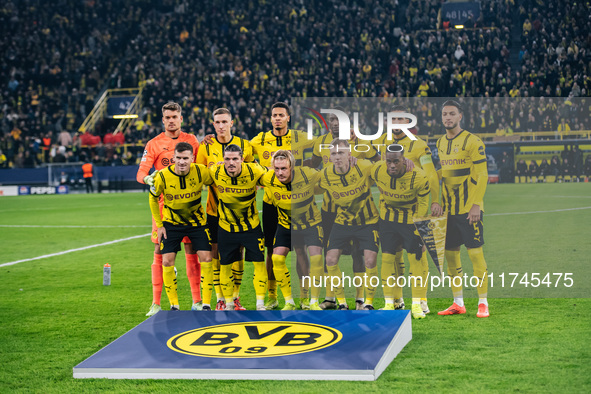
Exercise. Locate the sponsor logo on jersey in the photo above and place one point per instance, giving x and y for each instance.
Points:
(452, 162)
(387, 193)
(352, 192)
(182, 195)
(254, 339)
(266, 155)
(235, 190)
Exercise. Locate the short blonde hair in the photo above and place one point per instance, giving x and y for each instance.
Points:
(283, 154)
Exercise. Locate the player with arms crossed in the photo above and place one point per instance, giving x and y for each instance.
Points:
(420, 154)
(404, 195)
(464, 178)
(180, 186)
(159, 153)
(356, 219)
(239, 223)
(210, 154)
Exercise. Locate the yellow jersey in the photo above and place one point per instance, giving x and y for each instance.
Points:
(237, 208)
(359, 149)
(351, 194)
(209, 155)
(182, 196)
(280, 197)
(464, 172)
(401, 198)
(418, 152)
(305, 212)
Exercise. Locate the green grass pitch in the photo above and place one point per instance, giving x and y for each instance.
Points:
(55, 312)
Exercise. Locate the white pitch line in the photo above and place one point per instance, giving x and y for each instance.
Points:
(75, 250)
(66, 226)
(530, 212)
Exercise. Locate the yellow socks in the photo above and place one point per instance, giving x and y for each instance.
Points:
(454, 268)
(337, 290)
(227, 282)
(215, 263)
(282, 276)
(480, 270)
(206, 282)
(170, 284)
(316, 273)
(237, 271)
(418, 275)
(260, 280)
(369, 289)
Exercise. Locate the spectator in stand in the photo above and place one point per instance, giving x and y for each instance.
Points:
(533, 171)
(520, 171)
(544, 169)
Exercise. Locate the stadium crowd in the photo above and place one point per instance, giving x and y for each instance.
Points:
(58, 57)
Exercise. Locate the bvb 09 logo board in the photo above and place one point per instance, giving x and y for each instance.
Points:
(254, 339)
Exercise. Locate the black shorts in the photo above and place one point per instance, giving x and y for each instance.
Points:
(282, 237)
(229, 245)
(270, 221)
(366, 235)
(213, 225)
(461, 232)
(311, 236)
(393, 235)
(328, 219)
(199, 237)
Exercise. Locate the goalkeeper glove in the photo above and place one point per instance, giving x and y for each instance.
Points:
(149, 179)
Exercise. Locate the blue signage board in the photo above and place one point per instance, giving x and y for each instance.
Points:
(459, 12)
(282, 345)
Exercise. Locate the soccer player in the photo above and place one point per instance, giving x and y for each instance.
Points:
(159, 153)
(356, 218)
(420, 154)
(278, 182)
(404, 195)
(464, 179)
(182, 215)
(321, 156)
(239, 223)
(210, 154)
(265, 144)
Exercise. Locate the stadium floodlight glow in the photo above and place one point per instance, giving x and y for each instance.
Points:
(131, 116)
(459, 26)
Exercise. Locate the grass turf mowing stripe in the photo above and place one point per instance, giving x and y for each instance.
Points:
(75, 250)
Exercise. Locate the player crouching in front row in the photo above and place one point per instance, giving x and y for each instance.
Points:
(182, 215)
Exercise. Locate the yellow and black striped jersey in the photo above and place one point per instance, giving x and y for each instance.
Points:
(299, 143)
(364, 150)
(359, 148)
(351, 193)
(464, 172)
(401, 198)
(280, 197)
(418, 152)
(209, 155)
(182, 196)
(304, 211)
(237, 208)
(266, 143)
(415, 150)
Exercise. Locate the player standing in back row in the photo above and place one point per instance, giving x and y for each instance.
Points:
(464, 179)
(265, 144)
(159, 153)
